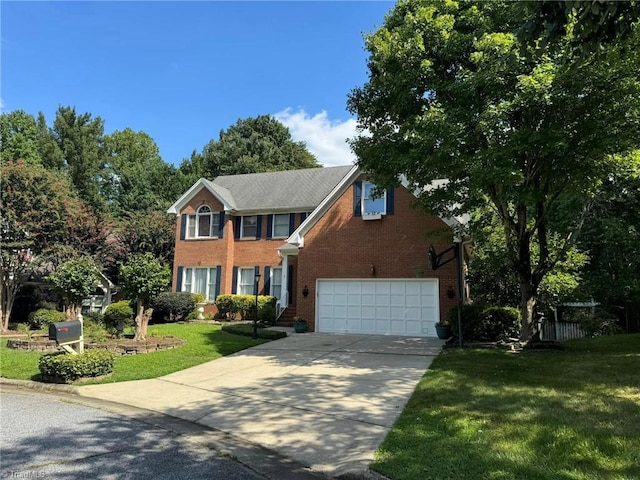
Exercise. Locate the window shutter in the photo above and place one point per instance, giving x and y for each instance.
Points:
(258, 226)
(267, 280)
(269, 225)
(179, 279)
(218, 274)
(234, 281)
(292, 222)
(183, 226)
(303, 217)
(221, 225)
(236, 231)
(290, 284)
(357, 199)
(390, 194)
(256, 288)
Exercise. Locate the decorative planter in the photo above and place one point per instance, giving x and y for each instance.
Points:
(300, 326)
(443, 331)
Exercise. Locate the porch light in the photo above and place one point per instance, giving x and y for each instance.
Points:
(255, 317)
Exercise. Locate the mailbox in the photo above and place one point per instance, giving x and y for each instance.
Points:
(65, 332)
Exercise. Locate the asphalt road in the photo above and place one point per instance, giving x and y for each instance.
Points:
(46, 437)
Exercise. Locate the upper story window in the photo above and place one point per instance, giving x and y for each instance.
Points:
(202, 224)
(249, 227)
(371, 205)
(280, 225)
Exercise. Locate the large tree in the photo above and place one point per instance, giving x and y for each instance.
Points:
(260, 144)
(39, 212)
(75, 280)
(143, 277)
(136, 177)
(453, 93)
(80, 139)
(18, 137)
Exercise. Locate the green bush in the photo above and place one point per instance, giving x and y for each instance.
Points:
(173, 306)
(231, 305)
(596, 323)
(199, 297)
(118, 316)
(24, 329)
(68, 367)
(93, 330)
(44, 317)
(482, 323)
(246, 329)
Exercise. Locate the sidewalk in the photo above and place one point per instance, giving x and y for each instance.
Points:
(323, 400)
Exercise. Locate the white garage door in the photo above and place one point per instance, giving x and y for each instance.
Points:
(383, 307)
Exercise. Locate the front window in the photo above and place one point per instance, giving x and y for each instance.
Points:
(249, 228)
(200, 280)
(370, 205)
(280, 225)
(276, 283)
(201, 225)
(246, 281)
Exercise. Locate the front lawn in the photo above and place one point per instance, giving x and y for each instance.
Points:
(203, 342)
(572, 414)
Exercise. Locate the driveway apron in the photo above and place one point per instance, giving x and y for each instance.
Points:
(324, 400)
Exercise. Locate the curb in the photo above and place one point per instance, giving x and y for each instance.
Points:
(38, 386)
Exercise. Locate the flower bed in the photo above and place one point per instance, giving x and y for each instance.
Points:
(123, 346)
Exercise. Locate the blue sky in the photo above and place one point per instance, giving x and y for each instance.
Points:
(183, 71)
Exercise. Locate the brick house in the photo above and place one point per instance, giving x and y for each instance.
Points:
(329, 250)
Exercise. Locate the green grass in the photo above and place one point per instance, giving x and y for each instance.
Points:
(203, 342)
(571, 414)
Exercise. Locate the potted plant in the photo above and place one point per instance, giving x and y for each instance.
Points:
(443, 330)
(299, 325)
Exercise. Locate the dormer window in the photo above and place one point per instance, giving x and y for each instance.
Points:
(371, 205)
(201, 224)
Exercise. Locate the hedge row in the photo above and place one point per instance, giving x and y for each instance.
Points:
(69, 367)
(483, 323)
(246, 329)
(230, 306)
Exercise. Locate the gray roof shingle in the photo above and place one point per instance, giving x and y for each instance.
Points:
(291, 190)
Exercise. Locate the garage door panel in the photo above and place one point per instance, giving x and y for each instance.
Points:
(381, 306)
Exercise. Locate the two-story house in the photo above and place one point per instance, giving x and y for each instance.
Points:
(322, 243)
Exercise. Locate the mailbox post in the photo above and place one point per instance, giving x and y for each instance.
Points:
(68, 333)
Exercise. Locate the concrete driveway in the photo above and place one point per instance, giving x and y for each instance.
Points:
(324, 400)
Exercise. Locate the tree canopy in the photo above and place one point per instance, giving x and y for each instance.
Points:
(252, 145)
(454, 93)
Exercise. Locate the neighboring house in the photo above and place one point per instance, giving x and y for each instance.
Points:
(323, 245)
(101, 297)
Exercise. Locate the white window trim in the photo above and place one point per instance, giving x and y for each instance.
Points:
(364, 198)
(272, 276)
(239, 279)
(195, 218)
(192, 282)
(242, 236)
(273, 225)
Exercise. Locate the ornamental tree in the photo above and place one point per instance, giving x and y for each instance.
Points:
(142, 278)
(75, 280)
(454, 93)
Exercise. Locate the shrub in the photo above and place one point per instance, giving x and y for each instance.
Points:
(173, 306)
(501, 323)
(595, 324)
(44, 317)
(231, 305)
(68, 367)
(117, 316)
(486, 323)
(246, 329)
(24, 329)
(93, 331)
(199, 297)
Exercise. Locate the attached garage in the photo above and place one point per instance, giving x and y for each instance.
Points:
(383, 307)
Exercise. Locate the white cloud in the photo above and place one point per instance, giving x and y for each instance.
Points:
(325, 138)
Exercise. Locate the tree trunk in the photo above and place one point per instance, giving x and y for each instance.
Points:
(528, 298)
(71, 311)
(142, 321)
(7, 297)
